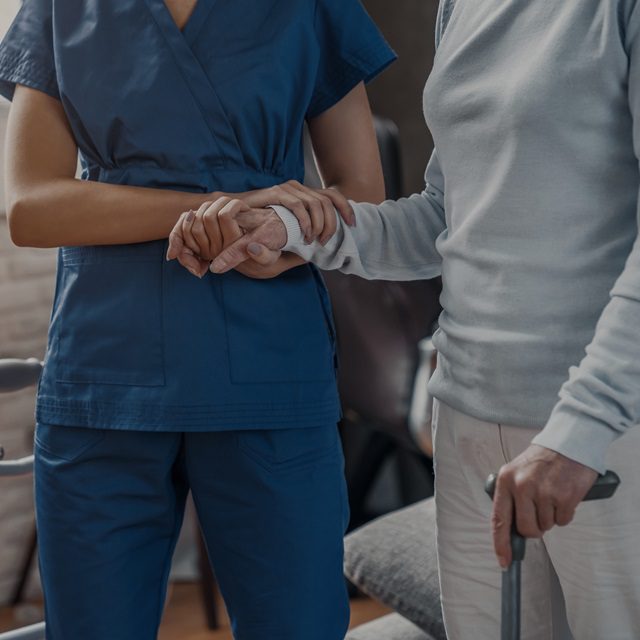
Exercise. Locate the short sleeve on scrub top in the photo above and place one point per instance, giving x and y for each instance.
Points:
(26, 53)
(352, 50)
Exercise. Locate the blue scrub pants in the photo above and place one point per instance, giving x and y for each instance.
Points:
(272, 505)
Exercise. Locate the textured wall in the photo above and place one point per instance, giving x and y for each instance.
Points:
(409, 27)
(26, 287)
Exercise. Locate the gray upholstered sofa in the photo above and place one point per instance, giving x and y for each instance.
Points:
(393, 559)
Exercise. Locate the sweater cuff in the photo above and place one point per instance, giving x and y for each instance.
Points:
(295, 238)
(577, 436)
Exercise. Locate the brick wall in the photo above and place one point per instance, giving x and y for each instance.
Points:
(26, 289)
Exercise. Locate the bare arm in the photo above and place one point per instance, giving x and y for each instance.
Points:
(48, 207)
(346, 149)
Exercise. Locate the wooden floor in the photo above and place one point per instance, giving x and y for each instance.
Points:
(184, 617)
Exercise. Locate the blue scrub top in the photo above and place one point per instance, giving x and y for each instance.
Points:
(139, 343)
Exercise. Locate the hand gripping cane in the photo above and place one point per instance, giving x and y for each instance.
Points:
(604, 487)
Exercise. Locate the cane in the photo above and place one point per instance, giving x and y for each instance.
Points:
(604, 487)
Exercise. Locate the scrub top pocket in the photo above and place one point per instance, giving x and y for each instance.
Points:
(279, 330)
(107, 326)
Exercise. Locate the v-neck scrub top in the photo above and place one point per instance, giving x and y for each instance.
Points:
(136, 342)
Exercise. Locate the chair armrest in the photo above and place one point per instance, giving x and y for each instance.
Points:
(17, 374)
(33, 632)
(18, 467)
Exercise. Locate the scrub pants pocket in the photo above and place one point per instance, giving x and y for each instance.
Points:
(65, 443)
(290, 449)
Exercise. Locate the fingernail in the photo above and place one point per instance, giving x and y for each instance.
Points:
(188, 252)
(503, 562)
(191, 215)
(216, 266)
(194, 272)
(254, 249)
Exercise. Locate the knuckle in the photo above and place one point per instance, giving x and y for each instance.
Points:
(562, 496)
(505, 476)
(497, 523)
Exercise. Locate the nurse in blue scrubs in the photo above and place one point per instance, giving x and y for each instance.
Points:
(157, 382)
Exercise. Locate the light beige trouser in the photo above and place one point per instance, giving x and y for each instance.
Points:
(587, 573)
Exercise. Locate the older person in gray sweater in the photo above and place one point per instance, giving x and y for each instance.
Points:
(530, 213)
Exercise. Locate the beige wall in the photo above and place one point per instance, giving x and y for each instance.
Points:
(409, 27)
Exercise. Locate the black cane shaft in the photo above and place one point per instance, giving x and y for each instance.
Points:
(510, 622)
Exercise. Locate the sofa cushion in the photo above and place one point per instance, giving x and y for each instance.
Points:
(393, 559)
(391, 627)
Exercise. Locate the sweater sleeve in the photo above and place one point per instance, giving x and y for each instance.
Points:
(601, 399)
(395, 240)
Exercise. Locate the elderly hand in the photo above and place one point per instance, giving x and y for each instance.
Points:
(198, 237)
(544, 487)
(314, 208)
(264, 237)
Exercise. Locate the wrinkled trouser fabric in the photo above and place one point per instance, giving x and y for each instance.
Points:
(581, 581)
(272, 506)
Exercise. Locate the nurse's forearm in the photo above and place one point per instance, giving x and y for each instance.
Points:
(48, 207)
(70, 212)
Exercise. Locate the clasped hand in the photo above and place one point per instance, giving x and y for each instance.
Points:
(238, 232)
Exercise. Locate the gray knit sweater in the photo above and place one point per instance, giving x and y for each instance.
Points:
(531, 215)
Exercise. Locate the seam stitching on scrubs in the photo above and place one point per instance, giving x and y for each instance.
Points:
(21, 66)
(363, 65)
(195, 411)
